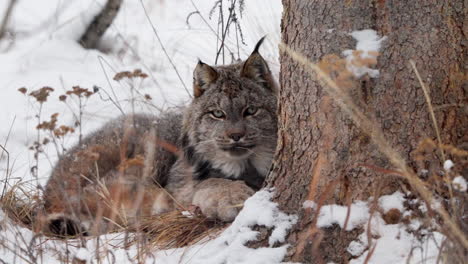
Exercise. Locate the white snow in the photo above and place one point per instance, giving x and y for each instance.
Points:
(392, 242)
(395, 245)
(459, 183)
(356, 248)
(336, 214)
(392, 201)
(448, 165)
(228, 247)
(187, 214)
(82, 254)
(309, 204)
(368, 45)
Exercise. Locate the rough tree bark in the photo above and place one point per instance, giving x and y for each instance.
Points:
(318, 143)
(100, 23)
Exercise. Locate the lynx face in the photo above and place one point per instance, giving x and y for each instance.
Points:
(235, 117)
(231, 124)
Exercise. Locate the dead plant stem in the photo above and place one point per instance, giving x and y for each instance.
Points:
(429, 106)
(164, 48)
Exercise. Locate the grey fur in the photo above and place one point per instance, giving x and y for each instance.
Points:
(220, 162)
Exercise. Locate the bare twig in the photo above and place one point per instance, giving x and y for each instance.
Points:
(225, 28)
(8, 135)
(115, 102)
(429, 105)
(197, 11)
(7, 173)
(164, 49)
(190, 15)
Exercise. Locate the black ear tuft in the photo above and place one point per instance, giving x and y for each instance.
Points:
(203, 75)
(259, 43)
(256, 69)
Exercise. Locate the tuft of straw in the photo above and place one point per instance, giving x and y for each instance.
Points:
(177, 229)
(168, 230)
(21, 203)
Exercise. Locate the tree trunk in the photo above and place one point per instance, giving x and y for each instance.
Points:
(6, 18)
(320, 149)
(100, 23)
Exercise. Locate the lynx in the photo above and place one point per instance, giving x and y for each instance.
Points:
(213, 154)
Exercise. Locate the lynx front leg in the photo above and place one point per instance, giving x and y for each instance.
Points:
(221, 198)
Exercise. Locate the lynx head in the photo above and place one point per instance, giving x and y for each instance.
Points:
(232, 118)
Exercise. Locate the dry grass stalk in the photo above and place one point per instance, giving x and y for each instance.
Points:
(377, 137)
(429, 106)
(21, 203)
(164, 231)
(175, 230)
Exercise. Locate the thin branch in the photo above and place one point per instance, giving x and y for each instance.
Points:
(429, 105)
(163, 48)
(101, 59)
(7, 170)
(207, 24)
(224, 29)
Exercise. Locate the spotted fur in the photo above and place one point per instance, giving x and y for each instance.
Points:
(222, 147)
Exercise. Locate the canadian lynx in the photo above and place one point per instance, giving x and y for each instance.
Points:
(214, 154)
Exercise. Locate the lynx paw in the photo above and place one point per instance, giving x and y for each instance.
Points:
(222, 199)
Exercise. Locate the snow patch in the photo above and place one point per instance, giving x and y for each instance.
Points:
(260, 210)
(395, 245)
(309, 204)
(187, 214)
(367, 47)
(229, 246)
(393, 201)
(356, 248)
(448, 165)
(459, 184)
(336, 214)
(82, 254)
(392, 242)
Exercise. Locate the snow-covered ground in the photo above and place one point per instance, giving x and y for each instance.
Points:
(394, 243)
(43, 51)
(228, 247)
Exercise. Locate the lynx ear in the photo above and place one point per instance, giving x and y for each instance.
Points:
(256, 68)
(203, 76)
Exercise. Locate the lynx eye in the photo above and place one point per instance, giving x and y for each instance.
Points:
(218, 114)
(251, 110)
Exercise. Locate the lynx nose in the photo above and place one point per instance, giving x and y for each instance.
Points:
(236, 136)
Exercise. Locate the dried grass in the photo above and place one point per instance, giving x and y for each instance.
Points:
(175, 230)
(21, 203)
(168, 230)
